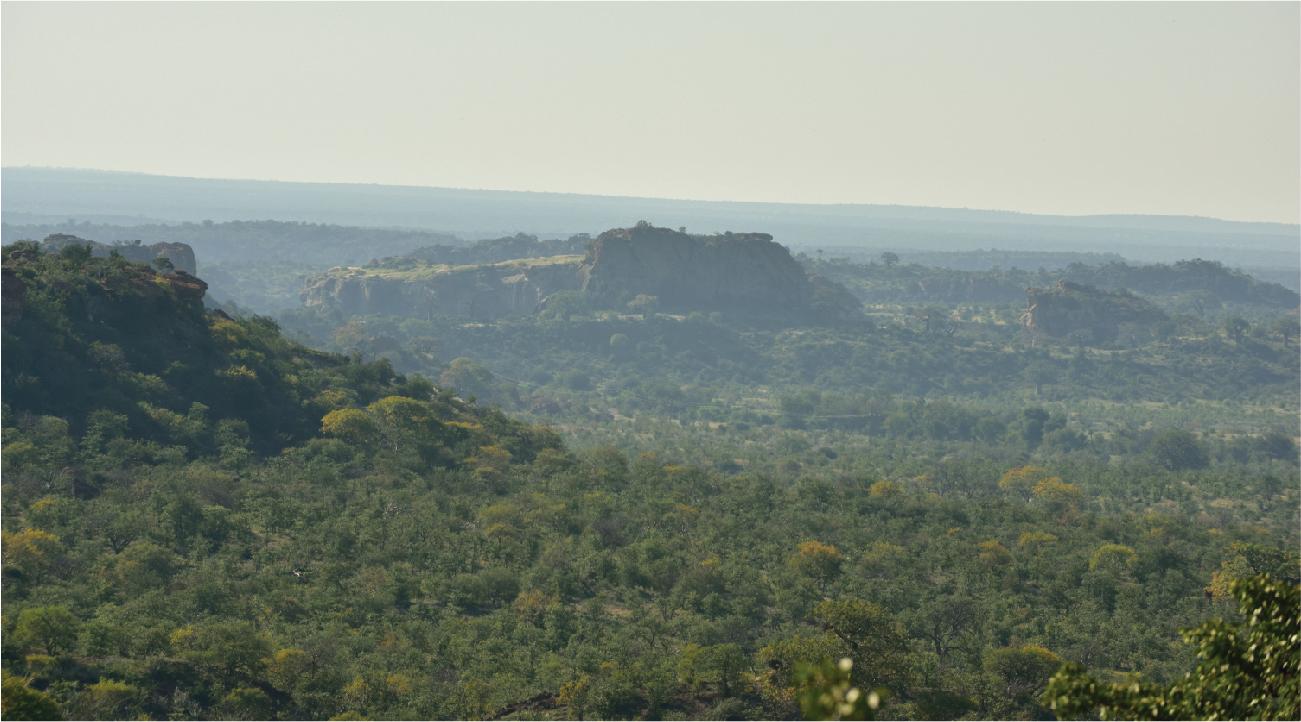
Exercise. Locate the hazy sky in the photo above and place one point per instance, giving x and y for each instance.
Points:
(1064, 108)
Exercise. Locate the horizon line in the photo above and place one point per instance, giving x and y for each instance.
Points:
(822, 204)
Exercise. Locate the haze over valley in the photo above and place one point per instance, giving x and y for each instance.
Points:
(316, 449)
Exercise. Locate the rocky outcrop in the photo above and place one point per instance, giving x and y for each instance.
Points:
(483, 293)
(187, 287)
(739, 273)
(180, 255)
(1088, 314)
(746, 273)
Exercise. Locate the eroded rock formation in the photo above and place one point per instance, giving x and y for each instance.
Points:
(739, 273)
(180, 255)
(745, 272)
(1088, 314)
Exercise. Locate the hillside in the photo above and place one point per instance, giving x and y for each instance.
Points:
(259, 264)
(1210, 284)
(95, 340)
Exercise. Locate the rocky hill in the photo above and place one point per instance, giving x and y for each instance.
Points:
(740, 273)
(1088, 314)
(180, 255)
(94, 341)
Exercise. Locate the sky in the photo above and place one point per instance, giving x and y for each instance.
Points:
(1164, 108)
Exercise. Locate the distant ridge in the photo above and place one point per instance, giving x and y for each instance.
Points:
(42, 194)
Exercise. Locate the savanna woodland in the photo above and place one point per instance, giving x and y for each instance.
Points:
(578, 479)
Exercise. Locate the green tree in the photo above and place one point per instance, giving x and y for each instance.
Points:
(564, 305)
(818, 561)
(472, 379)
(19, 701)
(1178, 450)
(1245, 670)
(246, 703)
(108, 699)
(1021, 674)
(351, 425)
(31, 552)
(228, 651)
(142, 566)
(877, 645)
(50, 629)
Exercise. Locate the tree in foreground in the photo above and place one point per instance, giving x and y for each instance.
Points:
(826, 693)
(1248, 670)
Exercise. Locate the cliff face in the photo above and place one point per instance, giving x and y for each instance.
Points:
(1085, 312)
(180, 254)
(482, 293)
(739, 272)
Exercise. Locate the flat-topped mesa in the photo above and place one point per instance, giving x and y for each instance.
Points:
(737, 272)
(493, 250)
(180, 255)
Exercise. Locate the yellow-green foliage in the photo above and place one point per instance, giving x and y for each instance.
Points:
(1112, 557)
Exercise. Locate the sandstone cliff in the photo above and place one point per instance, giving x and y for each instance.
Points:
(744, 273)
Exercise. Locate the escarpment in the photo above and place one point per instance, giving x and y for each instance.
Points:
(739, 273)
(483, 292)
